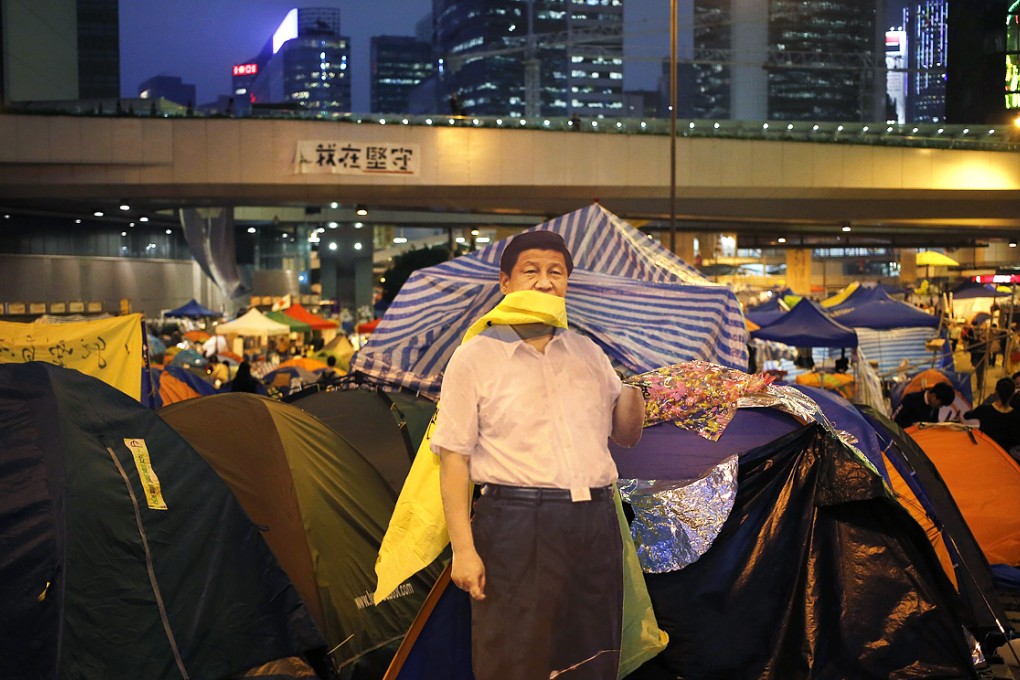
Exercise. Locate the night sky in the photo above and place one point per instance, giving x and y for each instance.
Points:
(199, 40)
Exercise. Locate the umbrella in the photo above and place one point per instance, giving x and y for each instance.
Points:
(933, 258)
(196, 336)
(188, 356)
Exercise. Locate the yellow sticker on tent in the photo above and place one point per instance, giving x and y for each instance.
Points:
(150, 482)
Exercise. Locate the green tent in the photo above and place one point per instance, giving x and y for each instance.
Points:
(372, 422)
(122, 554)
(324, 509)
(287, 320)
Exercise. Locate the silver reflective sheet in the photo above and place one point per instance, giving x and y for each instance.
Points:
(675, 523)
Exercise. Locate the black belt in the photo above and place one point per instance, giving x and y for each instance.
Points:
(541, 493)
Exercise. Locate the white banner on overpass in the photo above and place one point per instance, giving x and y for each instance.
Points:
(356, 158)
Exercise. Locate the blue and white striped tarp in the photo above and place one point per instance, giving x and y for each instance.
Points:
(642, 304)
(890, 347)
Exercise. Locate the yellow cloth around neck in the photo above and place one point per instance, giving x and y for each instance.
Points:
(522, 307)
(417, 531)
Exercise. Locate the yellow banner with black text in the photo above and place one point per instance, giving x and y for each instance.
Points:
(108, 349)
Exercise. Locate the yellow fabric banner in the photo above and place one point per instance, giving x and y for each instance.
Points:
(417, 531)
(108, 349)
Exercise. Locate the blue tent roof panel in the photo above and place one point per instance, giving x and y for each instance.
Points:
(807, 325)
(882, 315)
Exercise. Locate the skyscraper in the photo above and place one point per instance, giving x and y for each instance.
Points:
(927, 27)
(787, 60)
(540, 57)
(976, 73)
(98, 49)
(305, 63)
(823, 68)
(398, 64)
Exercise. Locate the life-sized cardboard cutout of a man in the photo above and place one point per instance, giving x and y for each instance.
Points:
(526, 412)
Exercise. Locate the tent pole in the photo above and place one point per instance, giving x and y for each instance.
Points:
(1008, 335)
(672, 125)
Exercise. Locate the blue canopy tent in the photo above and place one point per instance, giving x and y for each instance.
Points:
(889, 331)
(807, 325)
(193, 310)
(862, 294)
(882, 315)
(765, 313)
(969, 290)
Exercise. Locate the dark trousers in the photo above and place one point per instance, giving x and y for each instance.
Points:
(553, 589)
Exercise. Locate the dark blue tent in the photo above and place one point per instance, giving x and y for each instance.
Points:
(193, 310)
(765, 313)
(864, 294)
(807, 325)
(882, 315)
(972, 289)
(124, 555)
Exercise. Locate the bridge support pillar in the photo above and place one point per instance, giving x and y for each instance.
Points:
(798, 270)
(908, 265)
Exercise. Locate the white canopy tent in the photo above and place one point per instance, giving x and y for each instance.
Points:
(252, 324)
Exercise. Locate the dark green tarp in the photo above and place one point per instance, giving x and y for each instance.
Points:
(95, 580)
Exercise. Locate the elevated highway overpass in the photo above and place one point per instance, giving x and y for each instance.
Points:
(896, 187)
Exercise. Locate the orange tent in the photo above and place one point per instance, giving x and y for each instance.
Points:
(930, 377)
(303, 362)
(984, 481)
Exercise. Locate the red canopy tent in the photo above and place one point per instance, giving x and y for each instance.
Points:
(367, 327)
(328, 328)
(317, 323)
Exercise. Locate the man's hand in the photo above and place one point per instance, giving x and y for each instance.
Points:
(468, 573)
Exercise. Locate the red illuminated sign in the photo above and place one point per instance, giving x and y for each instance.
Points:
(245, 69)
(996, 278)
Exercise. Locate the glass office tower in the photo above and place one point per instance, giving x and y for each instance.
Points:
(927, 24)
(569, 62)
(306, 63)
(398, 64)
(787, 60)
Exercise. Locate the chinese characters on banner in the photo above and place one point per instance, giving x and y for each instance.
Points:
(108, 349)
(356, 158)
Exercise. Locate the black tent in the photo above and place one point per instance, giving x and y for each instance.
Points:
(817, 572)
(122, 554)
